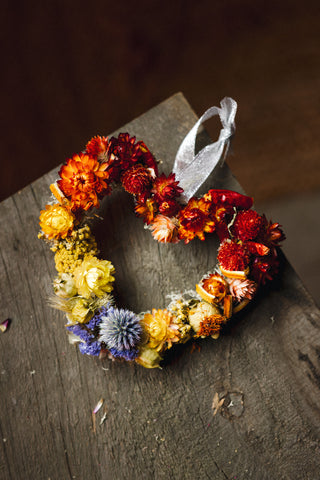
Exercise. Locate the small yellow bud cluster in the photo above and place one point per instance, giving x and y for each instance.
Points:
(69, 253)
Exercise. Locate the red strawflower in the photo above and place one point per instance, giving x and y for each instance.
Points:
(257, 248)
(265, 268)
(145, 157)
(247, 225)
(233, 256)
(169, 208)
(136, 180)
(271, 233)
(98, 148)
(165, 188)
(83, 181)
(195, 220)
(125, 152)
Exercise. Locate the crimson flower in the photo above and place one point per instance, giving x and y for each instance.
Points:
(98, 148)
(166, 188)
(136, 180)
(169, 208)
(195, 220)
(247, 225)
(233, 256)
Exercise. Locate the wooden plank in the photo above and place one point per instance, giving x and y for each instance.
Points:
(264, 372)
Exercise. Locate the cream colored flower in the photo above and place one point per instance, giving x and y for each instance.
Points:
(180, 309)
(161, 329)
(64, 285)
(56, 221)
(200, 312)
(94, 277)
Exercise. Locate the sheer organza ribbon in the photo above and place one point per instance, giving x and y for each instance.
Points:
(192, 170)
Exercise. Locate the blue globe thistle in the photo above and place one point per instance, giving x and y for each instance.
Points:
(121, 331)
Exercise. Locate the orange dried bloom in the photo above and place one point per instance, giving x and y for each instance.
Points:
(165, 229)
(83, 181)
(146, 210)
(56, 221)
(195, 220)
(98, 148)
(215, 285)
(211, 325)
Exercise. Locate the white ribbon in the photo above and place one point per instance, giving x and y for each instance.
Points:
(192, 170)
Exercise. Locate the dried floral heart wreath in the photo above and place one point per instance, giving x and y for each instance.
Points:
(247, 256)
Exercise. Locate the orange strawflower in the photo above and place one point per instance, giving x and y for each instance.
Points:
(146, 210)
(195, 220)
(211, 325)
(56, 221)
(165, 229)
(212, 288)
(161, 330)
(83, 181)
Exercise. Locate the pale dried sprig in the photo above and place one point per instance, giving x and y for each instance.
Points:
(67, 304)
(98, 406)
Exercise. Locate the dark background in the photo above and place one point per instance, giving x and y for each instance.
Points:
(74, 69)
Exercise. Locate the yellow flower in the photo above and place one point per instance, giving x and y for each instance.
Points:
(78, 309)
(56, 221)
(161, 329)
(148, 358)
(69, 253)
(94, 277)
(81, 311)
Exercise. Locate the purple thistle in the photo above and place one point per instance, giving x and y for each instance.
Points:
(88, 333)
(90, 348)
(121, 331)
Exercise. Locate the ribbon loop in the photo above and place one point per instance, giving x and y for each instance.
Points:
(192, 170)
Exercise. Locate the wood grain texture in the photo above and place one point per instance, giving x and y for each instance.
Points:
(264, 372)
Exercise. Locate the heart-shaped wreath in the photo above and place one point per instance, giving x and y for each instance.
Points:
(247, 256)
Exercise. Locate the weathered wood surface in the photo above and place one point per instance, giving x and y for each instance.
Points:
(160, 424)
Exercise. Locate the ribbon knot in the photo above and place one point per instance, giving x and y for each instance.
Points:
(192, 170)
